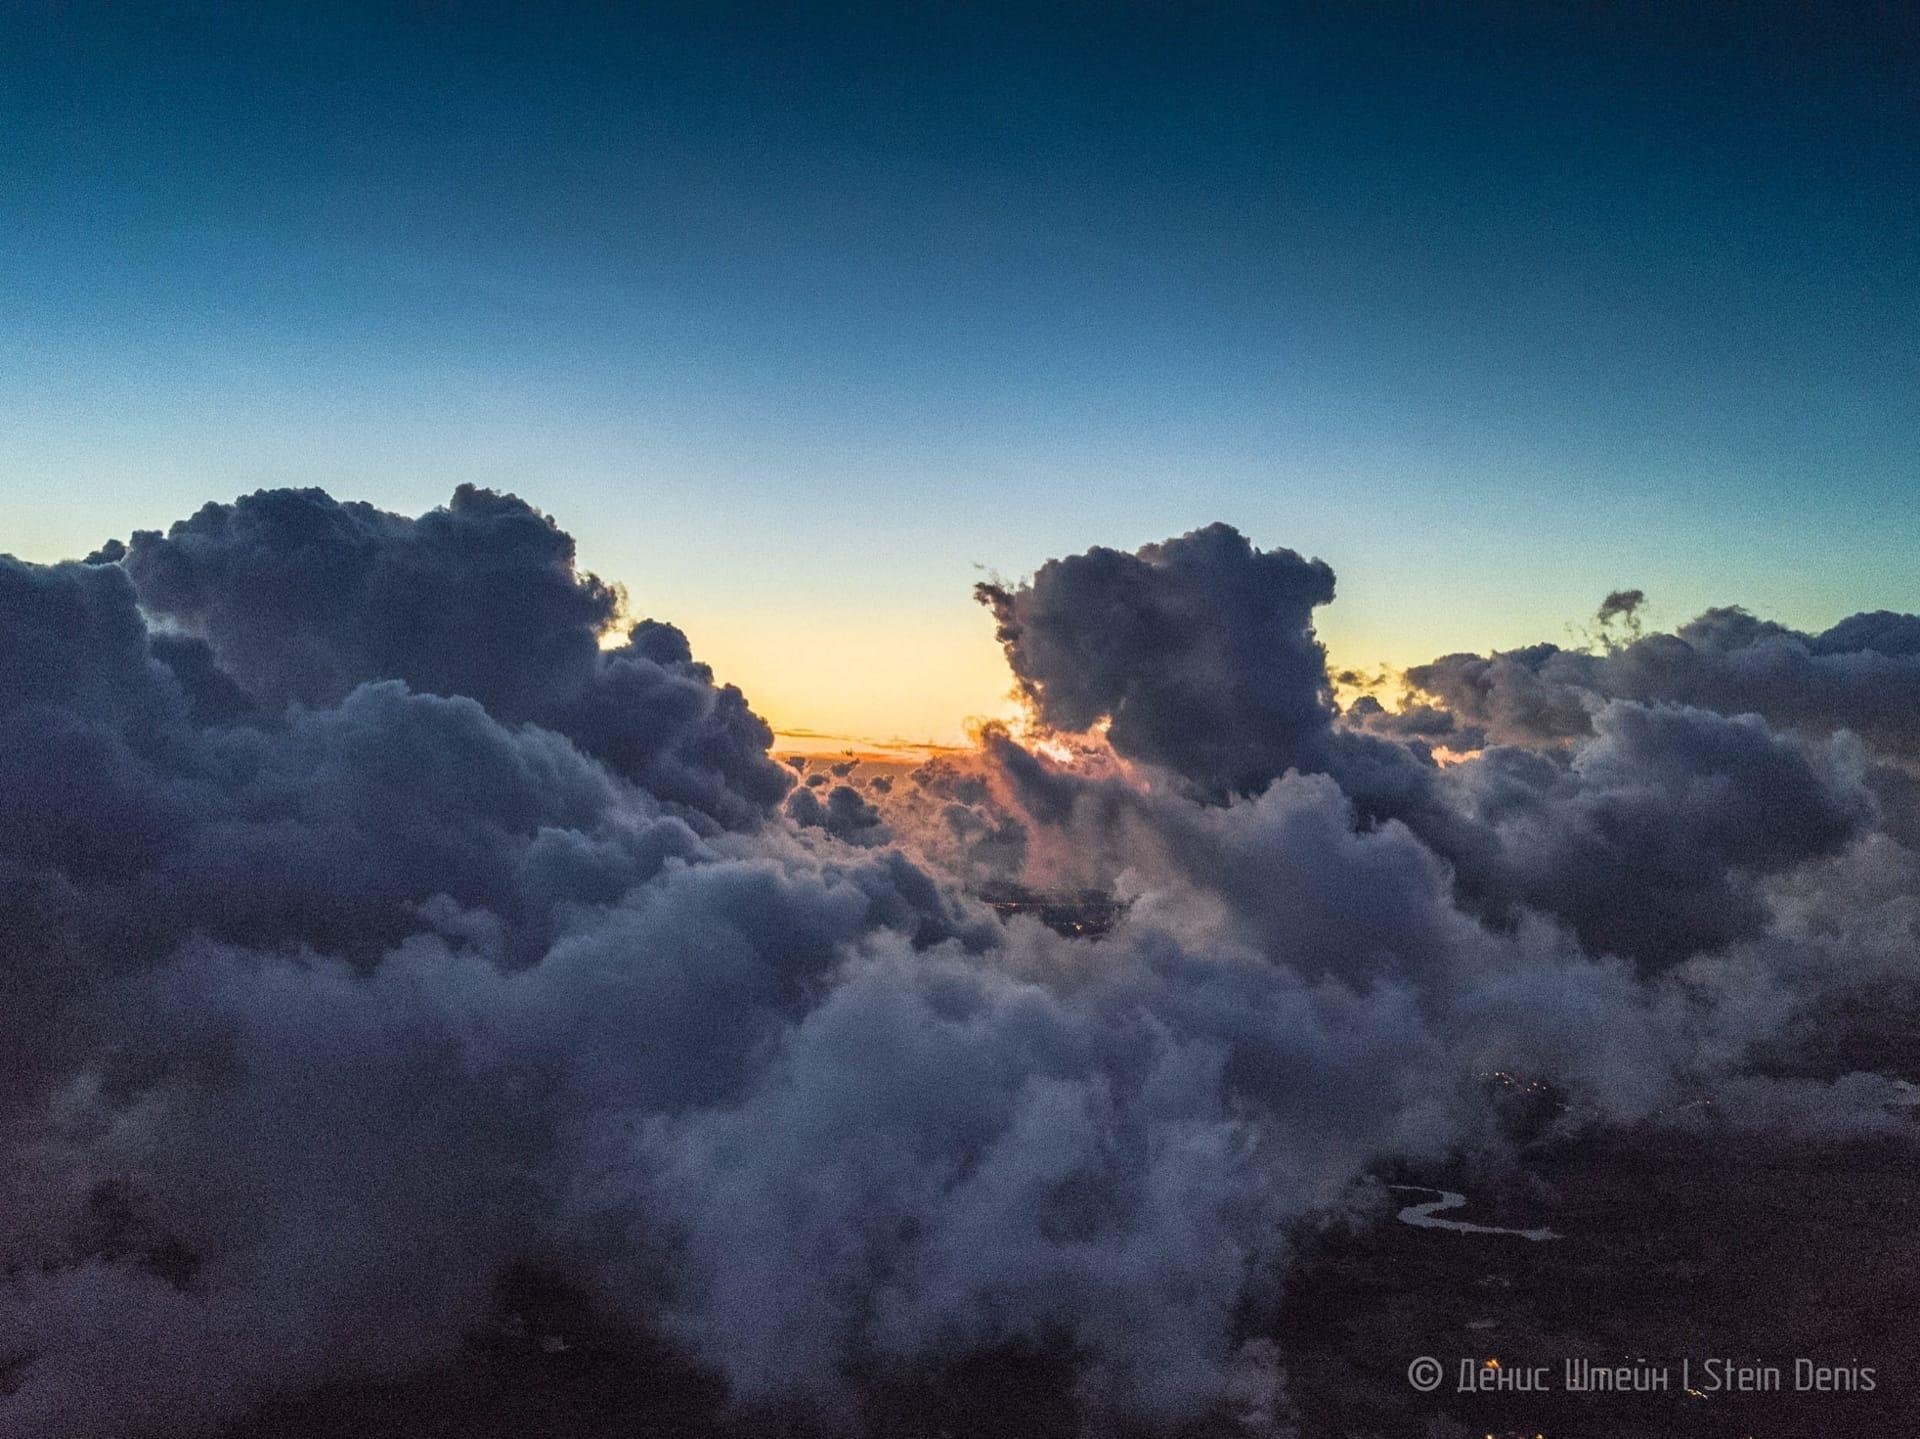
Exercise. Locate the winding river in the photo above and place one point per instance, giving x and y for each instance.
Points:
(1422, 1216)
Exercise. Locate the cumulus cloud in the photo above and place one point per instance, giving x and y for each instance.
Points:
(372, 928)
(1204, 645)
(301, 597)
(1862, 675)
(844, 814)
(1682, 809)
(1198, 653)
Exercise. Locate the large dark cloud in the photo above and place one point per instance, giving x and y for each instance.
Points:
(307, 1007)
(302, 597)
(1682, 809)
(1198, 653)
(369, 931)
(1201, 654)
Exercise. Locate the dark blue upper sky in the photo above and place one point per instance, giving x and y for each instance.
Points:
(794, 314)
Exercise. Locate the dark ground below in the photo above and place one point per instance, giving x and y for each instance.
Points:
(1676, 1247)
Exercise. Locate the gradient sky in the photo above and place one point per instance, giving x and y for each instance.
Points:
(800, 317)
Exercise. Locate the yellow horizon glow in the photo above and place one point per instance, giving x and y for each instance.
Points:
(876, 683)
(897, 686)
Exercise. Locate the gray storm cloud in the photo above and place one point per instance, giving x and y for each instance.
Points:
(1200, 657)
(1199, 653)
(371, 929)
(301, 598)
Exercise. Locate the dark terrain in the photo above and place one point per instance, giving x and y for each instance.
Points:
(1675, 1246)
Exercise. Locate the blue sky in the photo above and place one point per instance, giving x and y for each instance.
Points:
(797, 316)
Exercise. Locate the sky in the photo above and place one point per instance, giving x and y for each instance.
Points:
(806, 318)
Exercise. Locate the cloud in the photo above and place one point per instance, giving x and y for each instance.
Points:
(302, 597)
(1621, 608)
(1198, 654)
(371, 931)
(1861, 675)
(1682, 809)
(845, 815)
(1203, 645)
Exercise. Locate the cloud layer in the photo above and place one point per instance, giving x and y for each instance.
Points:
(373, 926)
